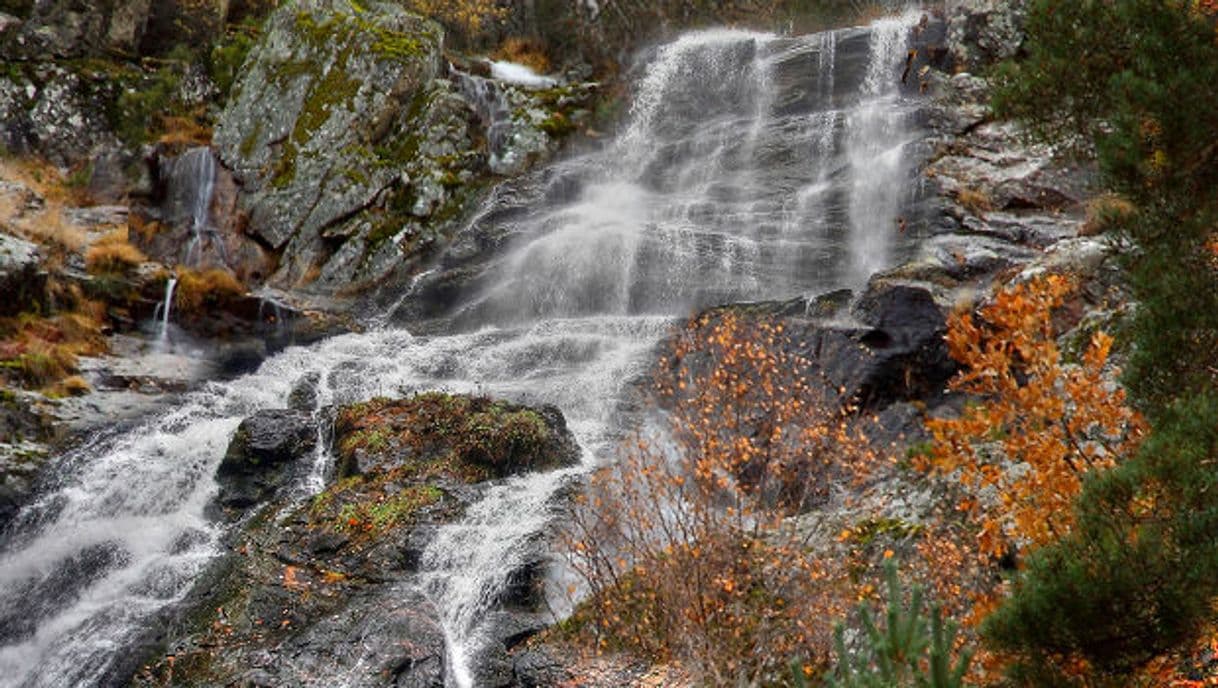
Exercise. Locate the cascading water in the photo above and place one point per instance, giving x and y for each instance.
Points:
(164, 312)
(740, 174)
(197, 170)
(875, 147)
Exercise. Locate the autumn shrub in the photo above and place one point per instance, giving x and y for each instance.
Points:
(1141, 568)
(467, 17)
(1126, 80)
(1036, 428)
(687, 547)
(524, 51)
(199, 291)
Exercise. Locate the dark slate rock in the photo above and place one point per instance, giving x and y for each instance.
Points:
(258, 459)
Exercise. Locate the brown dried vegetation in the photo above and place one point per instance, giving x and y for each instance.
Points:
(687, 548)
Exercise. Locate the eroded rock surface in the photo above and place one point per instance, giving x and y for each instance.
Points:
(330, 587)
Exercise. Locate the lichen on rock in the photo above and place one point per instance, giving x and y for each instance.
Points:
(328, 83)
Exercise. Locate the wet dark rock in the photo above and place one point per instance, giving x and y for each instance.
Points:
(537, 668)
(21, 462)
(258, 459)
(304, 395)
(174, 22)
(890, 350)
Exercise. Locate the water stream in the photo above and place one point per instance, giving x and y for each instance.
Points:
(196, 170)
(750, 166)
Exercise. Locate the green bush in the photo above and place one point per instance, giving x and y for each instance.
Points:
(227, 56)
(1131, 81)
(909, 650)
(1133, 579)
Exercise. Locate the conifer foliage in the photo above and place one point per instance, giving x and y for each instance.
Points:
(1132, 80)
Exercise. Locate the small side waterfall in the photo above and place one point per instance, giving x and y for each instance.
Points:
(195, 173)
(165, 311)
(495, 111)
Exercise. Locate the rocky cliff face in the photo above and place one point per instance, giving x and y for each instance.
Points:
(357, 146)
(325, 89)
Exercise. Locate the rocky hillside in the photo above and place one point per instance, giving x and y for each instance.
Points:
(189, 187)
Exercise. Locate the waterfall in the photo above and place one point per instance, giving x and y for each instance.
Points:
(194, 173)
(876, 139)
(165, 310)
(750, 166)
(493, 108)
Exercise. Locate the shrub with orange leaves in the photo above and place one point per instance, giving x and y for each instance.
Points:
(686, 546)
(1040, 426)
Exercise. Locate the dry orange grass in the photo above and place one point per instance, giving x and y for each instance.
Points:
(529, 53)
(39, 352)
(44, 178)
(144, 228)
(974, 200)
(184, 131)
(113, 254)
(71, 386)
(47, 225)
(198, 291)
(1106, 212)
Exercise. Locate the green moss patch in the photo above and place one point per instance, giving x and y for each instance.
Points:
(436, 434)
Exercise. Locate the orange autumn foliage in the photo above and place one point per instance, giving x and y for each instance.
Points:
(686, 548)
(1039, 426)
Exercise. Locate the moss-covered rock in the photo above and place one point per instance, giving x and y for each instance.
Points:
(469, 438)
(328, 587)
(72, 28)
(329, 83)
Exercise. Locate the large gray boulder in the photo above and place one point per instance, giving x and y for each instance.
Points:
(327, 106)
(22, 278)
(53, 111)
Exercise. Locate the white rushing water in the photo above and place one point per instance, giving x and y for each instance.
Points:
(750, 166)
(195, 173)
(164, 314)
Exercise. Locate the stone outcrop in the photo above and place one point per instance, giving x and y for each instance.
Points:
(329, 101)
(982, 32)
(359, 149)
(258, 461)
(330, 587)
(23, 279)
(55, 112)
(72, 29)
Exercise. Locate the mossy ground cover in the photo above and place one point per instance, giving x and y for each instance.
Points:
(436, 434)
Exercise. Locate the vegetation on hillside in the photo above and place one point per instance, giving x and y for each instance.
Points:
(1127, 80)
(1089, 558)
